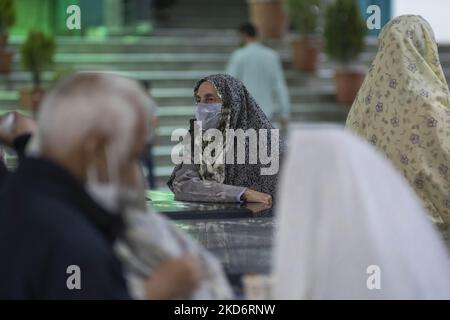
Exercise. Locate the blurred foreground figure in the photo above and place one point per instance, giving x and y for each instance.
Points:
(261, 71)
(348, 223)
(403, 108)
(61, 210)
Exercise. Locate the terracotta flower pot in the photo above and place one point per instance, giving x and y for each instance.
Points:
(5, 55)
(268, 17)
(5, 61)
(348, 83)
(30, 98)
(305, 53)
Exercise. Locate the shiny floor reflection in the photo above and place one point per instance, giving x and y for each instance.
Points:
(242, 245)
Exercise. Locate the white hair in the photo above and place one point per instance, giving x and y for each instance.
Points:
(88, 101)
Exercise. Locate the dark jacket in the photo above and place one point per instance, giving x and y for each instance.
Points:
(48, 223)
(3, 171)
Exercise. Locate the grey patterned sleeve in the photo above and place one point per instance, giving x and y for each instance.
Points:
(188, 186)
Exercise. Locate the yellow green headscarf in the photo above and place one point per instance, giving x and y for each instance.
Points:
(403, 108)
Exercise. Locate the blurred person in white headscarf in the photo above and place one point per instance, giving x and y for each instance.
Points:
(350, 227)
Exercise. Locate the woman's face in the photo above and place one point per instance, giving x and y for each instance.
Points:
(206, 93)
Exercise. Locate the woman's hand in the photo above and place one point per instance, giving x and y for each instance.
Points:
(255, 196)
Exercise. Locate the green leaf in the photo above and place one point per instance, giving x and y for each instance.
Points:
(344, 31)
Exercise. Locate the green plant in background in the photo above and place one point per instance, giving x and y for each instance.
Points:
(7, 16)
(344, 31)
(37, 53)
(304, 14)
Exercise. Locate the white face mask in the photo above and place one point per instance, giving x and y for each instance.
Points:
(106, 194)
(133, 198)
(209, 114)
(111, 195)
(116, 199)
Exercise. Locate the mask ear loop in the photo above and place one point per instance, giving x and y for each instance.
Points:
(92, 173)
(113, 174)
(112, 166)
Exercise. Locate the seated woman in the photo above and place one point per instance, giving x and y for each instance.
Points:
(403, 108)
(346, 231)
(224, 103)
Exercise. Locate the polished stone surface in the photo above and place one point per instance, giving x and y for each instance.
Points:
(239, 235)
(242, 245)
(180, 210)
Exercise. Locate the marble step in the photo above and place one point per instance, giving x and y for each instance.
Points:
(166, 79)
(172, 39)
(164, 41)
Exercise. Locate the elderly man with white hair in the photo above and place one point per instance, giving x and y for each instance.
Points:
(59, 217)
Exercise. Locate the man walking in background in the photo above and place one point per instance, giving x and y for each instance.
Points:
(147, 157)
(260, 69)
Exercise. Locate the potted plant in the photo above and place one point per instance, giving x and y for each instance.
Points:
(268, 17)
(36, 54)
(344, 40)
(304, 15)
(7, 19)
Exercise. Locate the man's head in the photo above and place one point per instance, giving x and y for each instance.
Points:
(94, 124)
(247, 33)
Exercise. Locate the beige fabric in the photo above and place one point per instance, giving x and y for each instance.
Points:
(403, 108)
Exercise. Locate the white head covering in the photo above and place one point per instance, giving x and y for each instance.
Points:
(343, 208)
